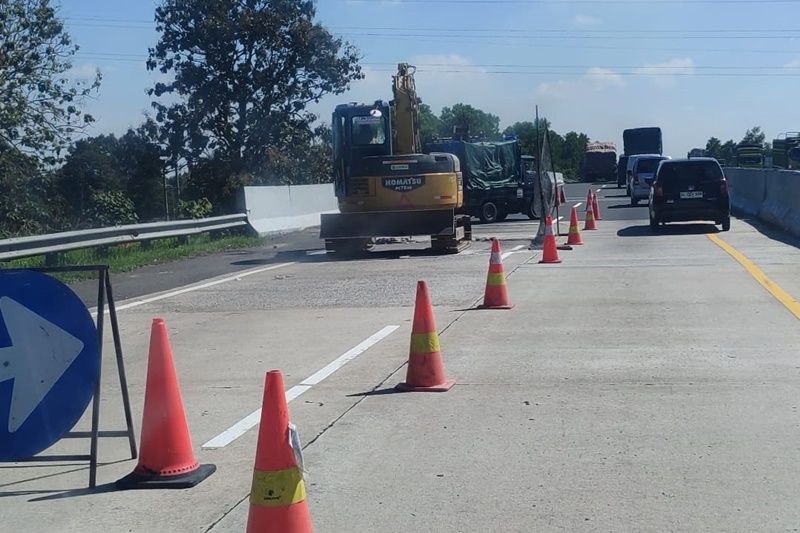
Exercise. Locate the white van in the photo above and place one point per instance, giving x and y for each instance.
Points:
(641, 172)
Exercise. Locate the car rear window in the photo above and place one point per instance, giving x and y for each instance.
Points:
(647, 166)
(690, 172)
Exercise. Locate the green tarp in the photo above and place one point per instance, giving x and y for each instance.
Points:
(485, 165)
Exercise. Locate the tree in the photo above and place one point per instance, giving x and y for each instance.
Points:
(480, 123)
(429, 124)
(572, 153)
(243, 72)
(714, 148)
(526, 135)
(139, 159)
(40, 108)
(728, 152)
(754, 136)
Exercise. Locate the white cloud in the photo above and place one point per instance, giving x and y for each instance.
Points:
(604, 77)
(82, 72)
(664, 74)
(583, 21)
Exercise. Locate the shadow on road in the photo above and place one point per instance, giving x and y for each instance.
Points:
(669, 229)
(625, 206)
(768, 230)
(623, 195)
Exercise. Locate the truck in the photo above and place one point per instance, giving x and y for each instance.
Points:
(781, 148)
(642, 141)
(749, 155)
(385, 185)
(696, 152)
(600, 161)
(495, 181)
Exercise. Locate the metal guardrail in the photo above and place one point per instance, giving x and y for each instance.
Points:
(53, 243)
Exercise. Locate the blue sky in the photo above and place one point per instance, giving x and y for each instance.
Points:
(695, 68)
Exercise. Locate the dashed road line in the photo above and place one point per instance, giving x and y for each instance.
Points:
(250, 421)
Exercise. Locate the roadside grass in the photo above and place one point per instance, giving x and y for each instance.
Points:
(127, 257)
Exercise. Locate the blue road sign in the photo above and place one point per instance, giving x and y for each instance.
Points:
(49, 362)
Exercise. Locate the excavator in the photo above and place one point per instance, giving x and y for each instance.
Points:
(385, 186)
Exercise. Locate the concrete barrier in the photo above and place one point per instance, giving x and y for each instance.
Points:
(747, 189)
(285, 208)
(771, 194)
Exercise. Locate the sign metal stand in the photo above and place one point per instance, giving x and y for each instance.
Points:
(104, 297)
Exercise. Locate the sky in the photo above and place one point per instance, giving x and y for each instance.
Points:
(696, 68)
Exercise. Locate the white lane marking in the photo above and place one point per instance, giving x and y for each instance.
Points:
(514, 249)
(576, 206)
(318, 252)
(250, 421)
(192, 288)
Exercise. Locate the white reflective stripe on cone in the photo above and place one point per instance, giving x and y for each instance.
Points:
(496, 258)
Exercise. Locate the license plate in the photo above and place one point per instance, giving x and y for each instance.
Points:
(692, 194)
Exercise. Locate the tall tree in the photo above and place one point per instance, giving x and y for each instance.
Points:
(714, 148)
(40, 108)
(429, 124)
(479, 122)
(526, 135)
(139, 159)
(754, 136)
(242, 74)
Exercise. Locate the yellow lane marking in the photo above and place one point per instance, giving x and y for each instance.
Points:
(773, 288)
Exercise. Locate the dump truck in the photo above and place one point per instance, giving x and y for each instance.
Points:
(600, 161)
(385, 185)
(642, 141)
(495, 181)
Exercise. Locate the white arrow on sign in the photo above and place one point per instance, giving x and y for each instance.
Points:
(39, 354)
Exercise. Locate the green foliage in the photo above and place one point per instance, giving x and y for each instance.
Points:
(754, 136)
(429, 124)
(195, 209)
(242, 74)
(480, 123)
(40, 110)
(110, 208)
(90, 166)
(714, 147)
(308, 160)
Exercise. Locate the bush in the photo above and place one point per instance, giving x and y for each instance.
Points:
(111, 208)
(195, 209)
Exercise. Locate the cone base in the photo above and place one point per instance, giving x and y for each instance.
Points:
(574, 243)
(443, 387)
(551, 262)
(155, 481)
(484, 306)
(589, 229)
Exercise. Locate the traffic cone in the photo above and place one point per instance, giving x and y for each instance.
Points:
(574, 237)
(278, 493)
(425, 367)
(496, 295)
(590, 223)
(550, 253)
(596, 207)
(589, 197)
(166, 459)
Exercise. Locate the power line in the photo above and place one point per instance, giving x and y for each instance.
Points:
(592, 2)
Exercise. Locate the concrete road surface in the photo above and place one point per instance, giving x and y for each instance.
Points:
(650, 382)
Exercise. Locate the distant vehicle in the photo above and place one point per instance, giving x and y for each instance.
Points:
(781, 147)
(750, 155)
(690, 189)
(696, 152)
(493, 177)
(622, 166)
(600, 161)
(641, 169)
(794, 158)
(642, 141)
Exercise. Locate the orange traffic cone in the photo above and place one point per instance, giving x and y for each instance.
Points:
(574, 237)
(496, 295)
(590, 223)
(589, 197)
(166, 459)
(550, 253)
(425, 367)
(596, 207)
(278, 493)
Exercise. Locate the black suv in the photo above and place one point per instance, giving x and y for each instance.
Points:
(690, 189)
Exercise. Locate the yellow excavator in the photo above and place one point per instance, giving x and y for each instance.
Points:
(385, 185)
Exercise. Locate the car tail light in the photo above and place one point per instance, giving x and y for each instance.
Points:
(658, 192)
(723, 188)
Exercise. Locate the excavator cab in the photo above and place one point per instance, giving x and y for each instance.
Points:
(359, 132)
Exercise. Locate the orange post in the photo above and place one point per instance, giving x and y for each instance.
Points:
(596, 207)
(166, 459)
(496, 294)
(550, 253)
(590, 224)
(278, 493)
(574, 237)
(425, 366)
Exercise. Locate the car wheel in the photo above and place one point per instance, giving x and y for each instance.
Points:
(726, 224)
(489, 212)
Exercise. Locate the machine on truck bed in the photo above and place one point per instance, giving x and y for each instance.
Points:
(385, 185)
(600, 161)
(495, 182)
